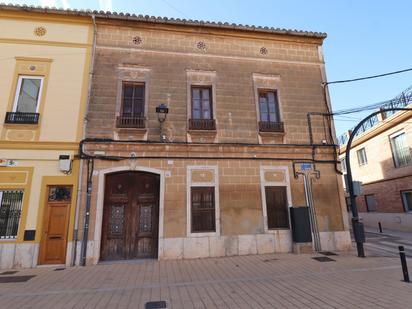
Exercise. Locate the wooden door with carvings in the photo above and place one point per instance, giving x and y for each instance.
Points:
(130, 216)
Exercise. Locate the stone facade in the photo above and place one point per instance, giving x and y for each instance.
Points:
(235, 158)
(380, 176)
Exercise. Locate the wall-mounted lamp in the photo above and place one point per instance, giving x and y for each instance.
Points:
(162, 110)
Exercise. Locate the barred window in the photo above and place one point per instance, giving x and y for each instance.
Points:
(10, 212)
(203, 209)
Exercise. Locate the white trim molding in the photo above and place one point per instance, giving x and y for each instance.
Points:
(207, 183)
(94, 254)
(284, 182)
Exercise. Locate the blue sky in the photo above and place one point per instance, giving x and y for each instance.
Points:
(364, 37)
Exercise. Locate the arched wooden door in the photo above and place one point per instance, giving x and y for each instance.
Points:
(130, 216)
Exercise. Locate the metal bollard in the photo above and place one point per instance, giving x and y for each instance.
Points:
(404, 265)
(380, 227)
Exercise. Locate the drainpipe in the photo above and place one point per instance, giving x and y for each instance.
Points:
(79, 187)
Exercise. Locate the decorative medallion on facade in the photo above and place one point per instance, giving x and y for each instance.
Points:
(137, 40)
(263, 51)
(40, 31)
(201, 45)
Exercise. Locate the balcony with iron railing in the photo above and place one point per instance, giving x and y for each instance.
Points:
(22, 118)
(202, 124)
(269, 126)
(134, 122)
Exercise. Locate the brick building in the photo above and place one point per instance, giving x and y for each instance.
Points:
(381, 160)
(216, 178)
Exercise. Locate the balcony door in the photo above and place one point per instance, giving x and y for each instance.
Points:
(130, 216)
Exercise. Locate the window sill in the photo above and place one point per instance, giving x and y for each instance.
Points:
(131, 129)
(27, 126)
(274, 231)
(272, 133)
(8, 240)
(205, 234)
(194, 131)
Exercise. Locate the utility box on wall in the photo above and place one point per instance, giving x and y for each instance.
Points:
(300, 220)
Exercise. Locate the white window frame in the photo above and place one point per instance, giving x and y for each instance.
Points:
(391, 137)
(264, 184)
(16, 95)
(214, 183)
(366, 157)
(404, 203)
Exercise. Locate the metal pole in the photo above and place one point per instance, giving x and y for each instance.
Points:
(312, 213)
(358, 229)
(404, 265)
(83, 252)
(380, 227)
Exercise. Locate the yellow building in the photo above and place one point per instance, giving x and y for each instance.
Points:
(45, 62)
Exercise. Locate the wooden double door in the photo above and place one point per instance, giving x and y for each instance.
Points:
(130, 216)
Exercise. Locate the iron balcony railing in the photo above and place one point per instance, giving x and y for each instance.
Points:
(202, 124)
(22, 118)
(131, 122)
(268, 126)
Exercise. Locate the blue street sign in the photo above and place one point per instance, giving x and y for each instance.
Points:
(306, 166)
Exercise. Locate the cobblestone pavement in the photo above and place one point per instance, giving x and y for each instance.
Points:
(260, 281)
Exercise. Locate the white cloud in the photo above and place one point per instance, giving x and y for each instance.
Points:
(65, 4)
(105, 5)
(49, 3)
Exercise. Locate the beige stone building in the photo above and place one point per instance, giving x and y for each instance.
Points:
(217, 174)
(381, 160)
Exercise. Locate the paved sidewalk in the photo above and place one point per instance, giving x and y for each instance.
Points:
(265, 281)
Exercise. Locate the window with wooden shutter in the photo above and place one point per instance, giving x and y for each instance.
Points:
(132, 111)
(277, 208)
(203, 209)
(202, 109)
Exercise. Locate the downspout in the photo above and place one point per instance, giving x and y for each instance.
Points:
(79, 187)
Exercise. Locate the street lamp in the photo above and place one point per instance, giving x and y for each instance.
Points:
(162, 110)
(357, 225)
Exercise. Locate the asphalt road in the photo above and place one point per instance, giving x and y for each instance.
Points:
(386, 245)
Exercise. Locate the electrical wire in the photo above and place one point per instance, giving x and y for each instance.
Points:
(366, 77)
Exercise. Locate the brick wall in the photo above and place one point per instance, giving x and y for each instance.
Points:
(380, 176)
